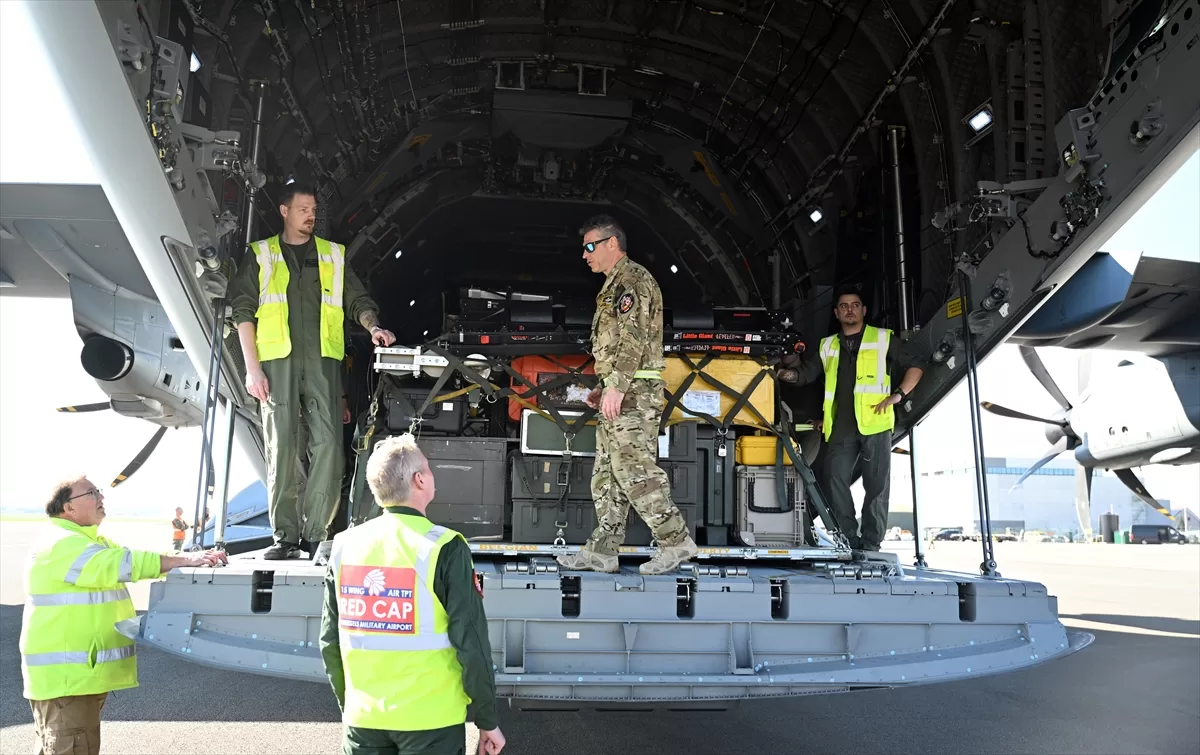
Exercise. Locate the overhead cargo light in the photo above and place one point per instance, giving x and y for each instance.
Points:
(412, 303)
(195, 64)
(674, 269)
(815, 216)
(291, 180)
(981, 120)
(398, 253)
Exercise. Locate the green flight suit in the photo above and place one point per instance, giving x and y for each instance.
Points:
(303, 382)
(456, 588)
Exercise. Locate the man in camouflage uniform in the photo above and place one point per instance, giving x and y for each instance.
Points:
(627, 336)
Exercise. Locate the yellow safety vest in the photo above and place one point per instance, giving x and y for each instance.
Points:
(273, 338)
(872, 382)
(75, 587)
(402, 673)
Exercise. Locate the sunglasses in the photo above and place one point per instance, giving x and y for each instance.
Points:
(590, 246)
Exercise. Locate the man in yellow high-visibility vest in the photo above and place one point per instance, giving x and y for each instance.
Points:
(72, 655)
(404, 636)
(290, 300)
(857, 416)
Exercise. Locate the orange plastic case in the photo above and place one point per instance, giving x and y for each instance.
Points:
(538, 370)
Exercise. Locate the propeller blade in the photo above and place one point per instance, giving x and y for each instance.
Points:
(140, 459)
(1083, 500)
(1004, 411)
(1055, 450)
(1035, 365)
(85, 408)
(1133, 483)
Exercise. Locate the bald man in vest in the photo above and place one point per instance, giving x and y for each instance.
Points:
(291, 297)
(858, 415)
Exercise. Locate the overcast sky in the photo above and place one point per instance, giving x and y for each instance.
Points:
(39, 348)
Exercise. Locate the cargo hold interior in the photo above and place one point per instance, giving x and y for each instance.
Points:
(758, 155)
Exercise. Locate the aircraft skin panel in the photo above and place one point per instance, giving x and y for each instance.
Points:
(1142, 414)
(61, 230)
(23, 272)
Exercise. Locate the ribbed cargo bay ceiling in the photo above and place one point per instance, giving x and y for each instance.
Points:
(471, 137)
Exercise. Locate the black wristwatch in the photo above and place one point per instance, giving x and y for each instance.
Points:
(901, 394)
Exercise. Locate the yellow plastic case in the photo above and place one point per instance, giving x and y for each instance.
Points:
(759, 451)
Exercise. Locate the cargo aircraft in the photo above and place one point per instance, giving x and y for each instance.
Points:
(962, 163)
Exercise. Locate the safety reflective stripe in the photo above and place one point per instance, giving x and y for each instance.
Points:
(424, 596)
(829, 350)
(262, 252)
(58, 658)
(829, 395)
(78, 598)
(126, 572)
(81, 561)
(337, 259)
(880, 346)
(380, 642)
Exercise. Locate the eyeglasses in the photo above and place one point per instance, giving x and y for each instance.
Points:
(94, 493)
(590, 246)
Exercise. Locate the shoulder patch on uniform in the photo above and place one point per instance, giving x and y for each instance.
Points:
(625, 303)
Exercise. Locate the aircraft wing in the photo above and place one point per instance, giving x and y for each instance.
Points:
(1153, 309)
(52, 233)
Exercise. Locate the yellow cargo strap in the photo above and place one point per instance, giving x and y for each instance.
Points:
(648, 375)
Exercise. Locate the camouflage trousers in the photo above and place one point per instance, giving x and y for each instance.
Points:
(627, 473)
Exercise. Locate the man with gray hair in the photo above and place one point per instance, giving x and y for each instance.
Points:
(404, 636)
(72, 654)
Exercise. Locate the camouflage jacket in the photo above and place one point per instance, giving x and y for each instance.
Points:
(627, 329)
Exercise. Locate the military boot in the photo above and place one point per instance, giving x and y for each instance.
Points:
(669, 557)
(588, 560)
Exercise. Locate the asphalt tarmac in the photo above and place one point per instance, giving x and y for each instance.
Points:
(1136, 689)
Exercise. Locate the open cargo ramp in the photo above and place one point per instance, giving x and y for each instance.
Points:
(604, 640)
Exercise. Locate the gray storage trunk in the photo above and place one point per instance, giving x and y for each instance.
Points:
(540, 522)
(762, 520)
(470, 476)
(544, 478)
(681, 442)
